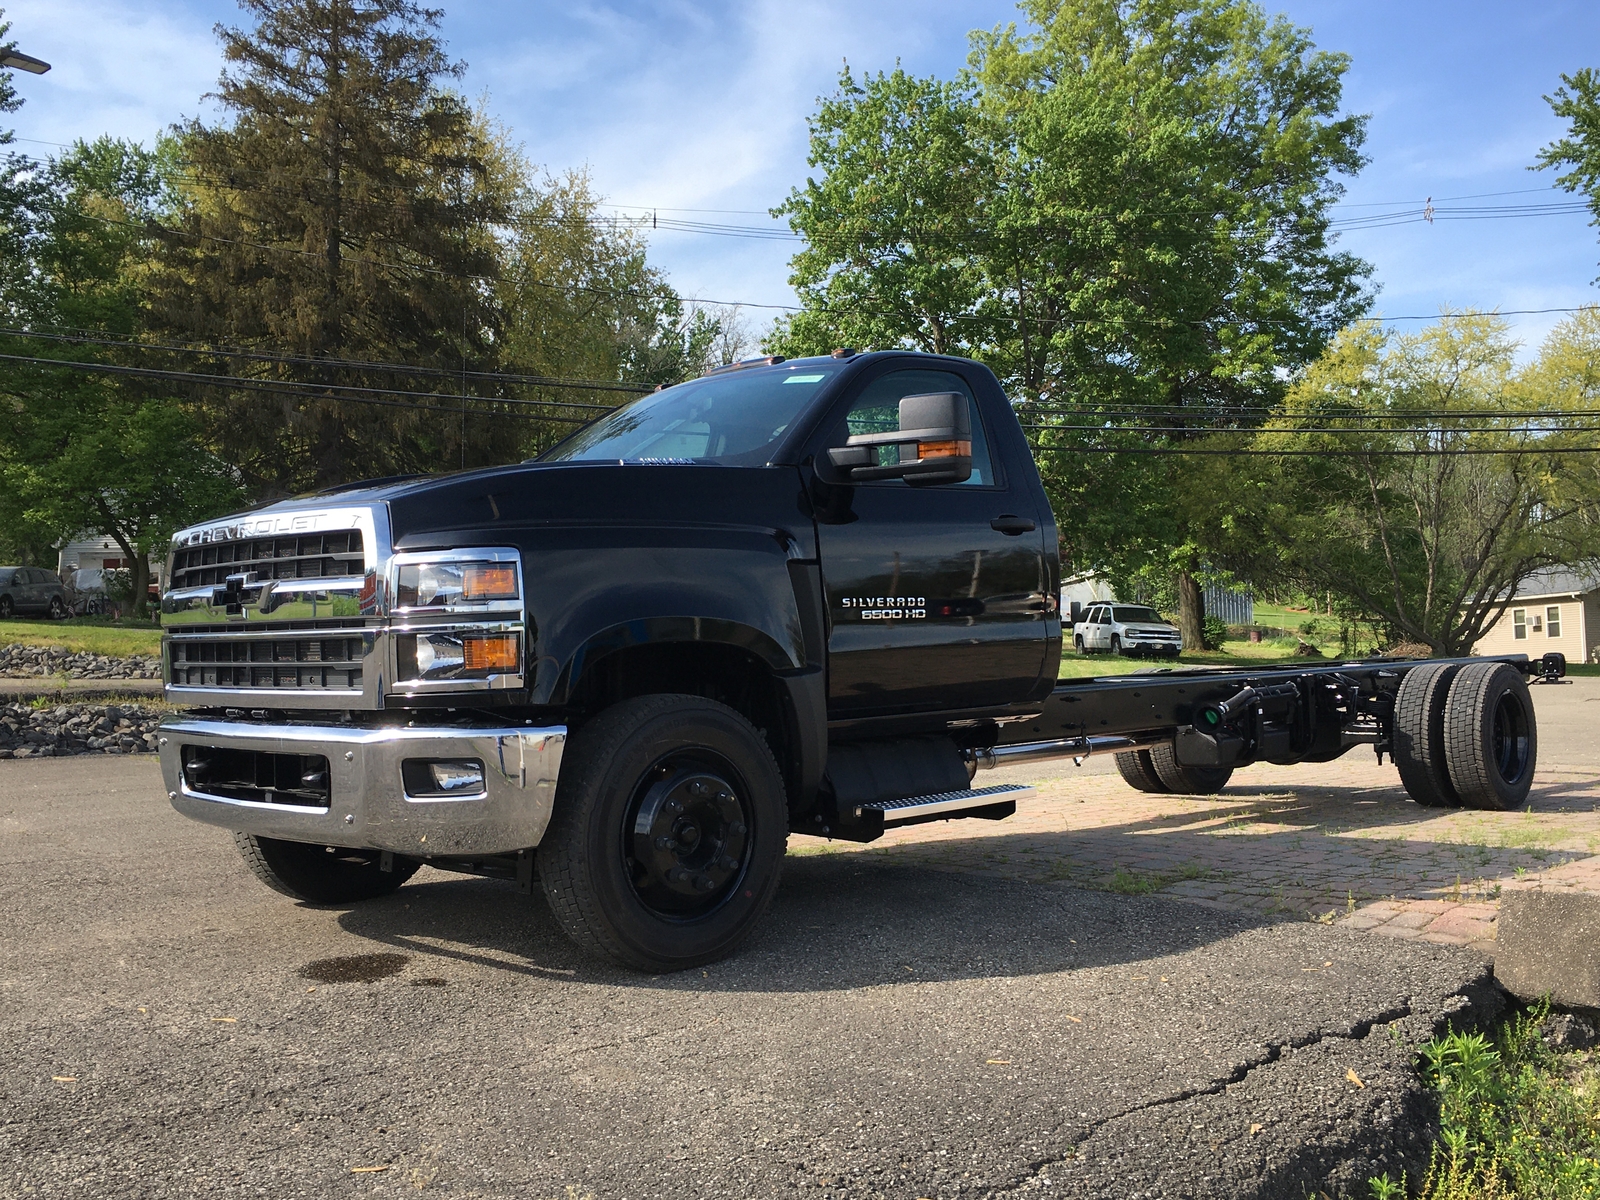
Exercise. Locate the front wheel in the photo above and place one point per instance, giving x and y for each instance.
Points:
(6, 607)
(1116, 644)
(58, 608)
(668, 835)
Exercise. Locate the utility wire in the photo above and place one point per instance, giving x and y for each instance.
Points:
(77, 338)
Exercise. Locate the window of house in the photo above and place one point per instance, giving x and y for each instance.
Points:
(1519, 624)
(1552, 621)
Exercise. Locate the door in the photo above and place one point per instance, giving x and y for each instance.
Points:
(26, 590)
(937, 596)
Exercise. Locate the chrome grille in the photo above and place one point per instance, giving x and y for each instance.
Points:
(307, 556)
(325, 662)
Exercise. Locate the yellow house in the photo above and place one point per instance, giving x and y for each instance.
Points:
(1557, 609)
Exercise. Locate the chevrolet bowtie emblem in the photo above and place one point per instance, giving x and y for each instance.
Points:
(233, 596)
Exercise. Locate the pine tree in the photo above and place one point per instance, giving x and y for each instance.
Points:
(344, 211)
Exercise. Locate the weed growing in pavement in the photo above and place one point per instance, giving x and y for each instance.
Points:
(1517, 1119)
(1135, 883)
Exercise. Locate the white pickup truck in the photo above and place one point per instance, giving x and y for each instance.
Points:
(1126, 629)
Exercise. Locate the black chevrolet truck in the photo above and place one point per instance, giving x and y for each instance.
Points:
(811, 597)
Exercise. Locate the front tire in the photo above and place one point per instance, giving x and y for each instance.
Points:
(1116, 644)
(6, 608)
(668, 835)
(321, 874)
(58, 610)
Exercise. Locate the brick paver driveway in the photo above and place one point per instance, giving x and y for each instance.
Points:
(1336, 842)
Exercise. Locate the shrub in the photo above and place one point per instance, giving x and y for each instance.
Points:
(1214, 633)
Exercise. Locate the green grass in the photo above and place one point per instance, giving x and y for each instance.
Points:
(1518, 1121)
(95, 635)
(1232, 654)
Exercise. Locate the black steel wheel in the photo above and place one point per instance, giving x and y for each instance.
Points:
(1491, 738)
(1187, 781)
(1419, 751)
(321, 874)
(668, 834)
(1139, 772)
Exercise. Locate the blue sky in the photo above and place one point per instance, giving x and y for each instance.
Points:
(685, 106)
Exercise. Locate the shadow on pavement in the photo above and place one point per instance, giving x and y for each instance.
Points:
(955, 907)
(838, 922)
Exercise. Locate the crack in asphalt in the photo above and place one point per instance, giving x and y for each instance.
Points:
(1274, 1053)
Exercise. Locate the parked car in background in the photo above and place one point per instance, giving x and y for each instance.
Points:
(1126, 629)
(31, 590)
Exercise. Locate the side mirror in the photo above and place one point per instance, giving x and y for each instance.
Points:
(934, 439)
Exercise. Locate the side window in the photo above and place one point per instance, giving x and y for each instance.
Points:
(1552, 621)
(1519, 623)
(877, 410)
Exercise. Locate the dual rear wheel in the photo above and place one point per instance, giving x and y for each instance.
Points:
(1465, 736)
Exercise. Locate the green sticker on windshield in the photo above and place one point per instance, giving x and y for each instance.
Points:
(805, 378)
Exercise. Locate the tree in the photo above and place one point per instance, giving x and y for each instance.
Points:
(1124, 211)
(348, 210)
(1577, 101)
(1439, 476)
(87, 450)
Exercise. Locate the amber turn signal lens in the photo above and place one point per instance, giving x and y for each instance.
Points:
(944, 449)
(490, 652)
(489, 581)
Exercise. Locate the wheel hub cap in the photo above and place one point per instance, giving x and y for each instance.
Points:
(689, 840)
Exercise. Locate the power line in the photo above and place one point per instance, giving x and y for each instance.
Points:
(1328, 453)
(80, 338)
(294, 391)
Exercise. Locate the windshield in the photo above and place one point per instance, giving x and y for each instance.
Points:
(1128, 612)
(734, 420)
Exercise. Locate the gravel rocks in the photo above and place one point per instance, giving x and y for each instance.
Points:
(27, 732)
(18, 661)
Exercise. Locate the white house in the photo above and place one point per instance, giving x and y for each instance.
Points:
(1556, 609)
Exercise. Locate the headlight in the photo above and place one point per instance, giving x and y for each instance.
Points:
(459, 654)
(447, 584)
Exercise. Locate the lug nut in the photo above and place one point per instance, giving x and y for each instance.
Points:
(665, 843)
(738, 826)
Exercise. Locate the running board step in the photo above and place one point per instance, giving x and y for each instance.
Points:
(989, 803)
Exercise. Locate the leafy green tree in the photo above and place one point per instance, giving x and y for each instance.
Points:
(1577, 101)
(1437, 476)
(90, 450)
(346, 209)
(1124, 210)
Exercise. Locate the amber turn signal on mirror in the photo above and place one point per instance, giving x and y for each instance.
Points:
(926, 450)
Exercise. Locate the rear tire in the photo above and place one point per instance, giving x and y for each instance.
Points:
(1078, 642)
(1187, 781)
(1138, 772)
(1419, 748)
(318, 876)
(668, 834)
(1490, 736)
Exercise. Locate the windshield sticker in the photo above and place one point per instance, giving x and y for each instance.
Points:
(805, 379)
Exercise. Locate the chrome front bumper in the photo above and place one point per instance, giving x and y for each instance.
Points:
(367, 805)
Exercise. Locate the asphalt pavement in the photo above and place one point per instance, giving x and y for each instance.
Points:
(168, 1027)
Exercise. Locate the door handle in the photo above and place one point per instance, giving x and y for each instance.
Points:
(1012, 526)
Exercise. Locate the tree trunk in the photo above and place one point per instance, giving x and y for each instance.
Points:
(1191, 612)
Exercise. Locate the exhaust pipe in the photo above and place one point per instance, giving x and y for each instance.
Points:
(1077, 749)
